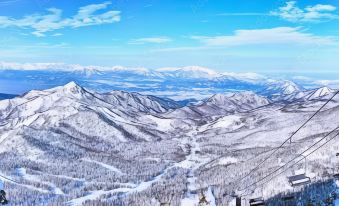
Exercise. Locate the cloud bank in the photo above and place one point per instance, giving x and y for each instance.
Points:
(278, 35)
(41, 23)
(320, 12)
(154, 40)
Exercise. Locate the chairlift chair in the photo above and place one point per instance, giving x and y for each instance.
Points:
(298, 180)
(257, 201)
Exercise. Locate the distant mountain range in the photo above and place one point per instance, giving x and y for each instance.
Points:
(195, 83)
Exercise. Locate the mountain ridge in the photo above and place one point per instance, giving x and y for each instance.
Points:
(88, 148)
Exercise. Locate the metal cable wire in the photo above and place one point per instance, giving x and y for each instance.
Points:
(6, 178)
(288, 139)
(302, 159)
(300, 155)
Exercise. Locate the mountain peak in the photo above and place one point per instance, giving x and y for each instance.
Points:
(325, 89)
(189, 72)
(286, 87)
(281, 88)
(220, 97)
(200, 69)
(71, 88)
(71, 85)
(321, 92)
(290, 87)
(244, 97)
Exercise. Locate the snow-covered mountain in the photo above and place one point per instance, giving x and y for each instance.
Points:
(144, 103)
(304, 95)
(239, 101)
(115, 113)
(189, 72)
(191, 82)
(278, 89)
(221, 104)
(69, 145)
(320, 93)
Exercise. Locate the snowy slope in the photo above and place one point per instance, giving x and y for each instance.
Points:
(140, 102)
(320, 93)
(281, 90)
(72, 146)
(221, 104)
(116, 115)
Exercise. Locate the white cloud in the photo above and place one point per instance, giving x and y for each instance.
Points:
(154, 40)
(321, 7)
(279, 35)
(291, 12)
(333, 83)
(53, 20)
(301, 78)
(8, 2)
(328, 82)
(57, 34)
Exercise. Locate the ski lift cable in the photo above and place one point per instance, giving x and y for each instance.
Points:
(253, 184)
(288, 139)
(299, 160)
(10, 180)
(300, 155)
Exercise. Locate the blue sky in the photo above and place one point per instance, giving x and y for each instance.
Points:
(265, 36)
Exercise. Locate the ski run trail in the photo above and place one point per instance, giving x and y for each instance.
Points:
(192, 162)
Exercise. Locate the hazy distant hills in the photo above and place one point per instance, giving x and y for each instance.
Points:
(175, 83)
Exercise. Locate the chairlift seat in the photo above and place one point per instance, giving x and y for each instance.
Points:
(257, 201)
(336, 175)
(298, 180)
